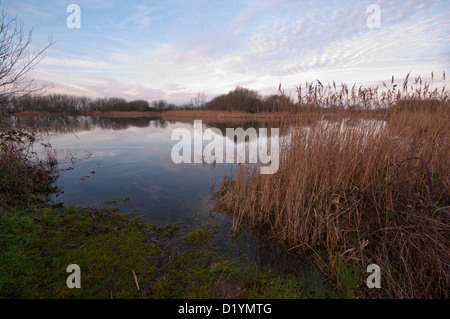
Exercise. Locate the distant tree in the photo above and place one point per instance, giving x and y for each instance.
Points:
(199, 100)
(242, 99)
(186, 106)
(114, 104)
(138, 105)
(270, 103)
(83, 104)
(277, 102)
(217, 103)
(160, 105)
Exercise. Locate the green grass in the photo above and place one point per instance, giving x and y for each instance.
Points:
(38, 244)
(198, 236)
(349, 279)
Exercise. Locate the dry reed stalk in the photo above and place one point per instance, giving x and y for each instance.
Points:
(352, 191)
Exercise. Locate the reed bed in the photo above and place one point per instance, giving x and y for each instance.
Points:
(361, 192)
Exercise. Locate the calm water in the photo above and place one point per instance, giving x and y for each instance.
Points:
(127, 162)
(135, 164)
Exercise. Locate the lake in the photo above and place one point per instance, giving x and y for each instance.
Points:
(126, 163)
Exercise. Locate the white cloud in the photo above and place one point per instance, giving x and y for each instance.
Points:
(268, 42)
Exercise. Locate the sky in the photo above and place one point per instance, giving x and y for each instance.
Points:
(174, 49)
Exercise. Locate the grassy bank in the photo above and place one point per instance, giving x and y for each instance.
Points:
(124, 258)
(355, 194)
(39, 243)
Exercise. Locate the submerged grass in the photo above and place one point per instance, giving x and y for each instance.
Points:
(357, 194)
(198, 236)
(197, 273)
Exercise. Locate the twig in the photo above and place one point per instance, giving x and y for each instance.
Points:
(135, 279)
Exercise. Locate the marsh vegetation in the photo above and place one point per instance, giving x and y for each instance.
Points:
(355, 195)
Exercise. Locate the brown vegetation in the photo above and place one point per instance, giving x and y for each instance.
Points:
(375, 192)
(23, 173)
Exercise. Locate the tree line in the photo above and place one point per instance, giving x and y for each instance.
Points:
(313, 97)
(239, 99)
(63, 103)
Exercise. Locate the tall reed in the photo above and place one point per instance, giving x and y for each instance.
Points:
(361, 191)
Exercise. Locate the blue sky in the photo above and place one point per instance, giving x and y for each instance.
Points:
(174, 49)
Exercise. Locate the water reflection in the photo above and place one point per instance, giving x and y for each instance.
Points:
(131, 157)
(127, 157)
(74, 124)
(132, 162)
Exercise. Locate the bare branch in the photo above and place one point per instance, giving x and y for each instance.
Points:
(17, 59)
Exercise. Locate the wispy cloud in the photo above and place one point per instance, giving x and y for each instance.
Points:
(142, 14)
(174, 49)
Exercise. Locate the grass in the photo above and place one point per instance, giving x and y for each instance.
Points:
(119, 258)
(360, 193)
(39, 243)
(232, 280)
(349, 279)
(198, 236)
